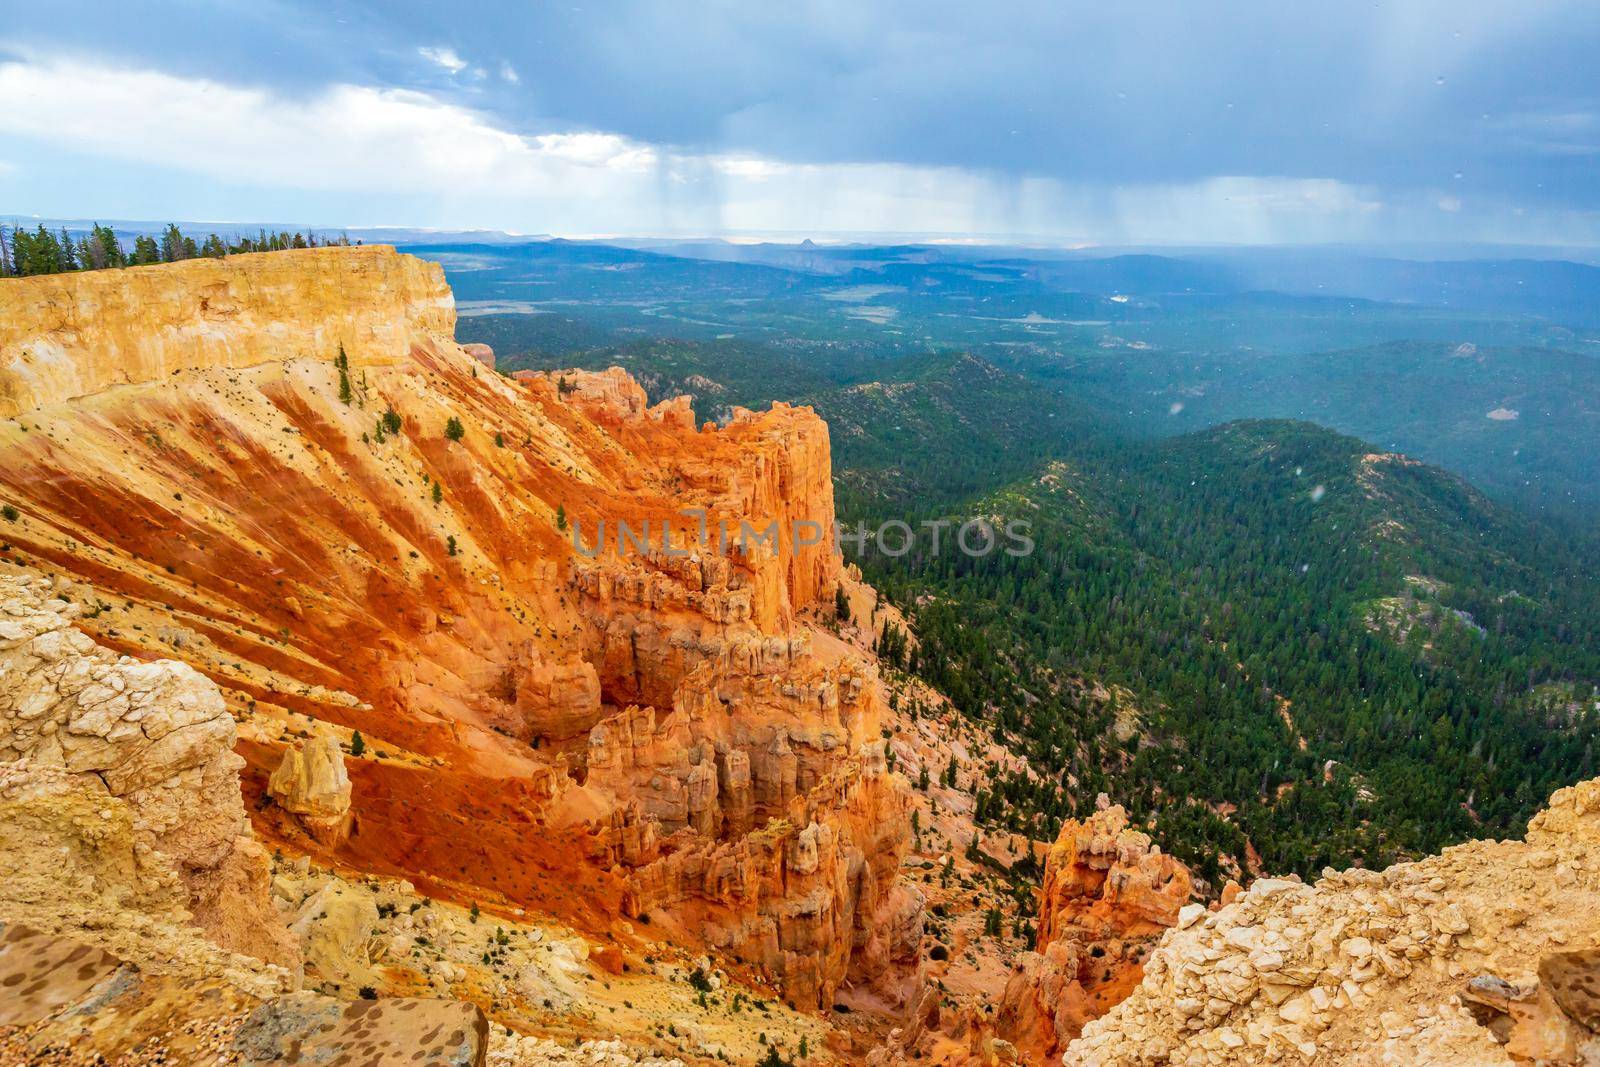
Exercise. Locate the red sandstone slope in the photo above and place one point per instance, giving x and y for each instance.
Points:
(588, 737)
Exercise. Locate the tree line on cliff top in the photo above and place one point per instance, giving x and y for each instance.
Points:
(26, 252)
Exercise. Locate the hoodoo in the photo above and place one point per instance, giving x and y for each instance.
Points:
(1108, 894)
(282, 471)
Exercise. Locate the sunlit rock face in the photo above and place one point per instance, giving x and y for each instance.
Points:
(282, 471)
(311, 784)
(71, 335)
(1108, 894)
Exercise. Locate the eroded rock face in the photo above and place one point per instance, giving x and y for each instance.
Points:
(656, 729)
(1374, 966)
(760, 811)
(1108, 894)
(312, 785)
(147, 742)
(72, 335)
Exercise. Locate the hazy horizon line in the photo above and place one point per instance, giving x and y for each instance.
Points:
(797, 238)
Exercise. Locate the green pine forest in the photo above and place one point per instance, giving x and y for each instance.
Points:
(25, 252)
(1286, 660)
(1324, 658)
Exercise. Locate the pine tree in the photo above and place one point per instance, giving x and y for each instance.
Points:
(357, 745)
(104, 249)
(346, 394)
(173, 248)
(145, 251)
(39, 252)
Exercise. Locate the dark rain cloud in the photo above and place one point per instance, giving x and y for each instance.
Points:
(1468, 99)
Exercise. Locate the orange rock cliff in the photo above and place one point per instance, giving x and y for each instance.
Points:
(1108, 895)
(282, 471)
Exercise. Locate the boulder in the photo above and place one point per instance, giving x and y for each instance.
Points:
(146, 749)
(311, 784)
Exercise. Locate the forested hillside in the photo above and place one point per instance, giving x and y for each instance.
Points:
(1359, 653)
(1269, 640)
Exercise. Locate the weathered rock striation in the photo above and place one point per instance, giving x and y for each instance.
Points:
(407, 544)
(1108, 894)
(1464, 957)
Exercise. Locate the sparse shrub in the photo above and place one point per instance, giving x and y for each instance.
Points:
(11, 514)
(773, 1059)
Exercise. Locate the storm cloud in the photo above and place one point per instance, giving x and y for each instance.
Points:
(1063, 122)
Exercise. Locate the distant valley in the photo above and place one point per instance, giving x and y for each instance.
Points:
(1447, 361)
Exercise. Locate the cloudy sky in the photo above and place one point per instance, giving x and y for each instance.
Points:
(1163, 121)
